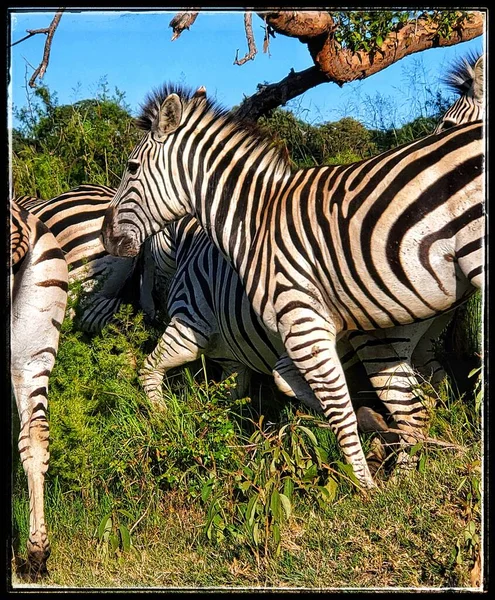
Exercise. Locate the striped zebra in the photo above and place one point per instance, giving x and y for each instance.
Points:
(384, 242)
(240, 344)
(75, 219)
(250, 349)
(210, 314)
(38, 295)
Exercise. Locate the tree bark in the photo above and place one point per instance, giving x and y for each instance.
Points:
(301, 24)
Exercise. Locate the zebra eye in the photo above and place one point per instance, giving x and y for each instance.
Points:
(132, 166)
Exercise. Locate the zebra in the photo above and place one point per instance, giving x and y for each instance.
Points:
(38, 294)
(319, 251)
(209, 314)
(75, 218)
(466, 78)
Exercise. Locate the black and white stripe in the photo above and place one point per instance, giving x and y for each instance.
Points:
(384, 242)
(75, 219)
(38, 295)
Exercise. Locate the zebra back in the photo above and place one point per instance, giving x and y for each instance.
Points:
(75, 218)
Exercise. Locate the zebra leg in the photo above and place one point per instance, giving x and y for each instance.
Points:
(147, 282)
(178, 345)
(242, 381)
(388, 363)
(290, 382)
(423, 357)
(310, 342)
(39, 297)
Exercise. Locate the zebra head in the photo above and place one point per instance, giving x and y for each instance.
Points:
(153, 190)
(465, 78)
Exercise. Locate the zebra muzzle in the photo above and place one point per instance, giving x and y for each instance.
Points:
(118, 244)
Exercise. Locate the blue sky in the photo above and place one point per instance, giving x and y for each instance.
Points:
(133, 52)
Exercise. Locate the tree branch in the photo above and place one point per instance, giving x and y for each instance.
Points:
(272, 95)
(303, 24)
(181, 21)
(341, 65)
(49, 31)
(252, 51)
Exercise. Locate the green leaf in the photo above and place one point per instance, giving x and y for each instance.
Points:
(422, 463)
(330, 487)
(309, 433)
(126, 513)
(206, 490)
(288, 487)
(104, 526)
(286, 505)
(349, 471)
(310, 473)
(245, 485)
(276, 537)
(275, 504)
(251, 508)
(114, 542)
(125, 537)
(474, 371)
(256, 533)
(416, 448)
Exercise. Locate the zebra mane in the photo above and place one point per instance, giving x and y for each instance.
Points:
(151, 107)
(462, 76)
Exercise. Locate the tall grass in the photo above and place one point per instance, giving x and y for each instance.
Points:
(212, 492)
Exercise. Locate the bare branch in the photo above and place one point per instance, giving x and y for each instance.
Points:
(270, 96)
(266, 38)
(30, 33)
(252, 51)
(49, 31)
(181, 21)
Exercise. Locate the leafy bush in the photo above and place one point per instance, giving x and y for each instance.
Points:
(59, 147)
(308, 145)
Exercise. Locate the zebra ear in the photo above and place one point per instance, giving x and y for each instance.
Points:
(200, 92)
(479, 81)
(169, 115)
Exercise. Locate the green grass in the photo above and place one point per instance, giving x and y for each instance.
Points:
(209, 493)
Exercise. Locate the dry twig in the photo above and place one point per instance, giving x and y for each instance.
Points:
(181, 21)
(49, 32)
(252, 51)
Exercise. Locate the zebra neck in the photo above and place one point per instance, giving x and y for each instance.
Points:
(233, 200)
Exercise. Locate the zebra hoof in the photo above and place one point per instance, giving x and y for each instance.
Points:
(369, 421)
(35, 567)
